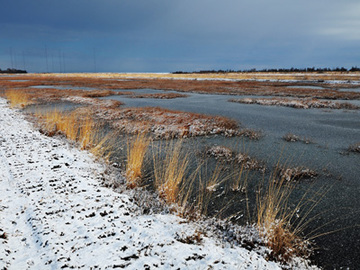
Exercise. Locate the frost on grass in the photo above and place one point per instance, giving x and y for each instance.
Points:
(289, 137)
(103, 103)
(297, 173)
(57, 214)
(355, 148)
(298, 103)
(223, 153)
(163, 123)
(159, 122)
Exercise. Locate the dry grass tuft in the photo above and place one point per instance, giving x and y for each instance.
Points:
(78, 128)
(136, 151)
(273, 220)
(240, 182)
(17, 99)
(281, 224)
(170, 172)
(104, 146)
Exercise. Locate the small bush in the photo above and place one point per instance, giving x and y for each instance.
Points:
(289, 137)
(354, 148)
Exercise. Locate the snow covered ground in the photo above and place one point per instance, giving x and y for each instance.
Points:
(54, 213)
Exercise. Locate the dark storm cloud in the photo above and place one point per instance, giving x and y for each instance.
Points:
(163, 35)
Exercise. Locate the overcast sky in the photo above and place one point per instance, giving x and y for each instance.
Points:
(166, 35)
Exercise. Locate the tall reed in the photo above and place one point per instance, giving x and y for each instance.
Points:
(136, 151)
(78, 128)
(17, 98)
(170, 171)
(281, 223)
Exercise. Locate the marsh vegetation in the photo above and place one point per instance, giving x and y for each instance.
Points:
(202, 165)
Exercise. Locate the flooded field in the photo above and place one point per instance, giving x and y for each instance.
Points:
(321, 141)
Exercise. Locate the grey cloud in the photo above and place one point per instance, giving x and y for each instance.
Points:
(162, 35)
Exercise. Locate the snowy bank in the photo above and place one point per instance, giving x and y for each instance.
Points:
(56, 214)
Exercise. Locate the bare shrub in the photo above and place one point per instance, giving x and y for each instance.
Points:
(297, 173)
(354, 148)
(289, 137)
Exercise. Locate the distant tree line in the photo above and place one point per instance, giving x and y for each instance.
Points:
(12, 70)
(280, 70)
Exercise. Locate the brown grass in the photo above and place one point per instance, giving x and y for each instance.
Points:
(243, 86)
(163, 123)
(281, 224)
(78, 128)
(28, 96)
(170, 171)
(136, 150)
(274, 221)
(104, 146)
(17, 98)
(98, 93)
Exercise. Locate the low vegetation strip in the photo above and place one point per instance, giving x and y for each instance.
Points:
(160, 122)
(253, 86)
(163, 123)
(56, 214)
(159, 95)
(297, 103)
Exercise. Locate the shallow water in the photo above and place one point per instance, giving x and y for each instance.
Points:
(306, 87)
(316, 124)
(357, 90)
(331, 131)
(59, 106)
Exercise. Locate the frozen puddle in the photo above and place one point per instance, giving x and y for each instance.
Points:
(55, 214)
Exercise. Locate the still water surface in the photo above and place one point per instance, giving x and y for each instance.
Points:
(331, 131)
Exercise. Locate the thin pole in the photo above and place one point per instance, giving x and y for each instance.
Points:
(94, 60)
(12, 59)
(23, 58)
(46, 56)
